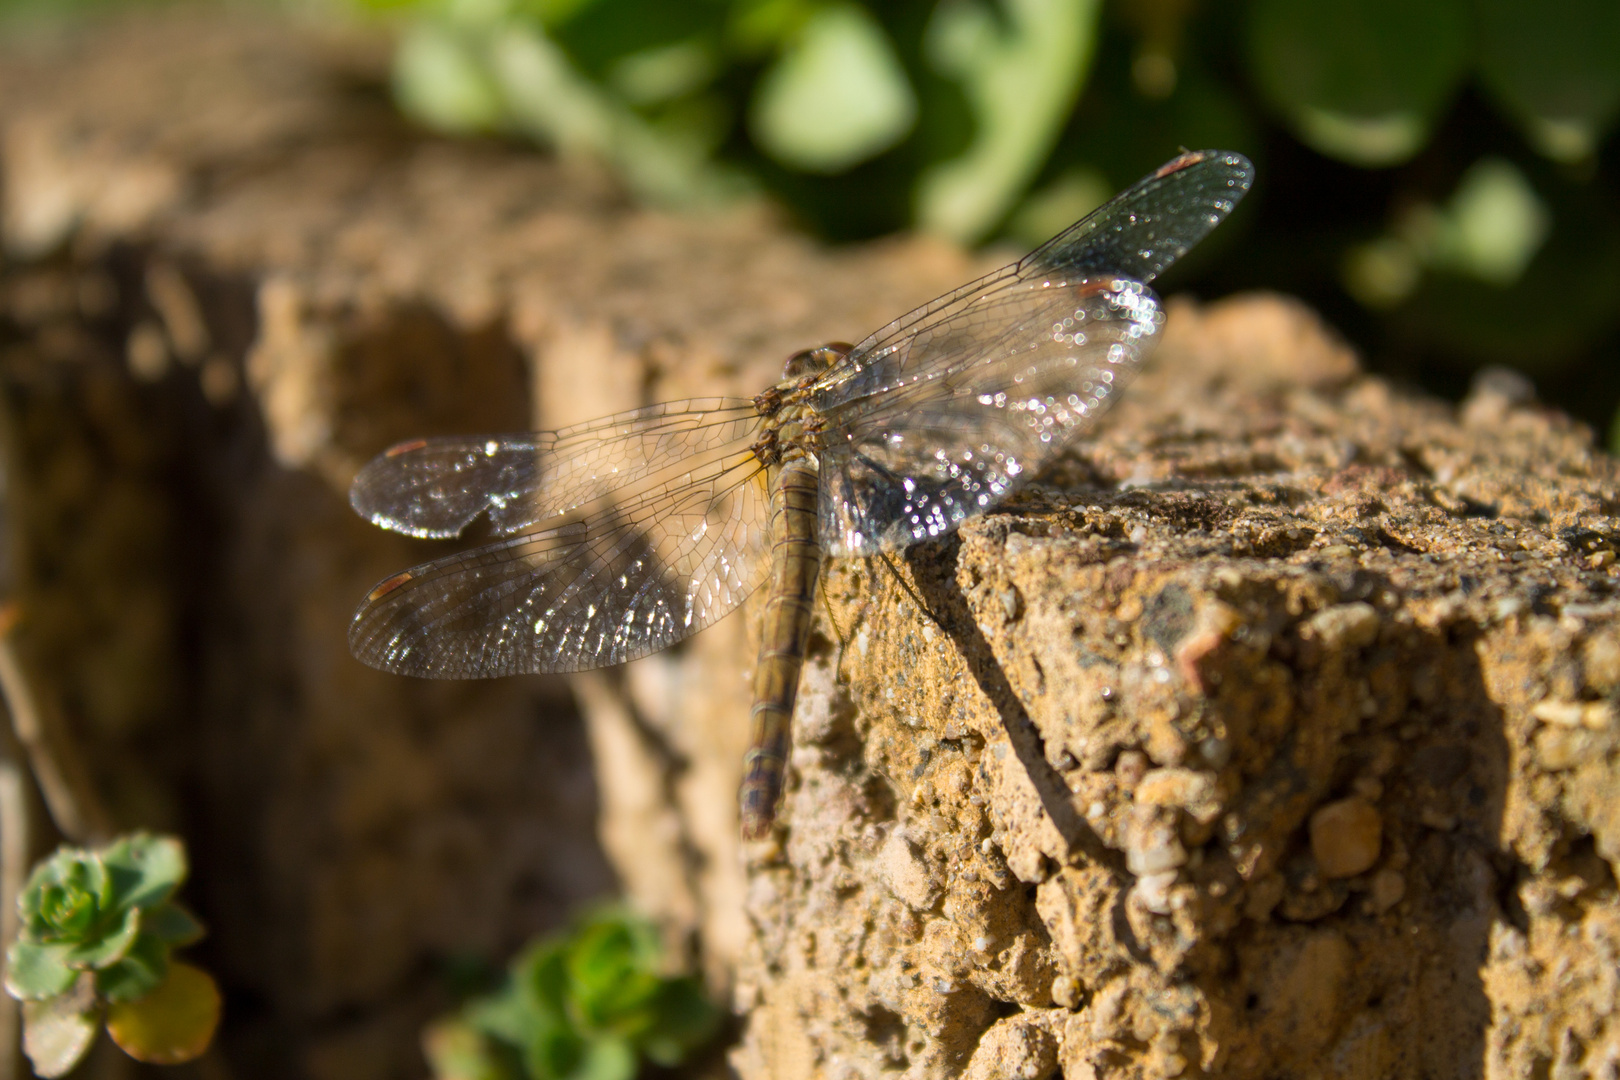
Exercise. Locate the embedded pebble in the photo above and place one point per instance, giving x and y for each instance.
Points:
(1556, 748)
(1152, 843)
(1345, 626)
(1601, 662)
(1561, 713)
(1130, 768)
(1152, 891)
(1346, 836)
(906, 875)
(1388, 888)
(1596, 715)
(1015, 1048)
(1185, 789)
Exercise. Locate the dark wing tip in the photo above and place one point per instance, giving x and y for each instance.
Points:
(386, 633)
(1144, 229)
(1241, 166)
(385, 493)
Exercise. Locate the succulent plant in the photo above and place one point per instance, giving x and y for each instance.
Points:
(97, 930)
(589, 1004)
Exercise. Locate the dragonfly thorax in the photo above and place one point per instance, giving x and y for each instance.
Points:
(790, 432)
(791, 428)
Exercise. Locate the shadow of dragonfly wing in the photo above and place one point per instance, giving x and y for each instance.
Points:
(637, 559)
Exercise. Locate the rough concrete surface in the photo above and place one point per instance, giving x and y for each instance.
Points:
(1272, 733)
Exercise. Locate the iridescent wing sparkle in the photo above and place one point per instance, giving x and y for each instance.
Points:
(937, 416)
(620, 537)
(650, 527)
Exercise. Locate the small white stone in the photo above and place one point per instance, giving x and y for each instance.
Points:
(1561, 713)
(1152, 892)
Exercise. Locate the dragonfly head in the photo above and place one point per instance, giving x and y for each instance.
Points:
(810, 362)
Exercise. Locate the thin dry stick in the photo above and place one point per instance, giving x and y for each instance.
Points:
(16, 841)
(53, 756)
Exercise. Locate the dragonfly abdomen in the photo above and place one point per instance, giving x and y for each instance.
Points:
(795, 563)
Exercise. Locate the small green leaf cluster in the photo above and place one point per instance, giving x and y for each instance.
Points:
(97, 931)
(588, 1004)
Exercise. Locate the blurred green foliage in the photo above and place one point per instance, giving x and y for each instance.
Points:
(588, 1004)
(1438, 177)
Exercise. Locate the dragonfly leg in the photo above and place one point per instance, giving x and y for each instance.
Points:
(911, 590)
(832, 621)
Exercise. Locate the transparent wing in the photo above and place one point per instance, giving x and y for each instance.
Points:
(1006, 383)
(623, 575)
(937, 416)
(1142, 230)
(437, 487)
(1137, 235)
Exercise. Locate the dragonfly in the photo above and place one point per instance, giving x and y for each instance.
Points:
(614, 539)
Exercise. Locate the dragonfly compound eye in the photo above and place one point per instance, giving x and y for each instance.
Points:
(815, 361)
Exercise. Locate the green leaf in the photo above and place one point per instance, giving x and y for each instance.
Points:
(67, 897)
(1460, 317)
(1555, 67)
(59, 1031)
(1068, 198)
(102, 951)
(612, 980)
(1021, 73)
(761, 26)
(509, 1016)
(108, 949)
(553, 12)
(554, 1053)
(35, 972)
(836, 96)
(145, 870)
(584, 1005)
(541, 976)
(138, 974)
(1492, 227)
(657, 75)
(173, 925)
(172, 1024)
(549, 99)
(685, 1019)
(441, 81)
(1360, 80)
(607, 1059)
